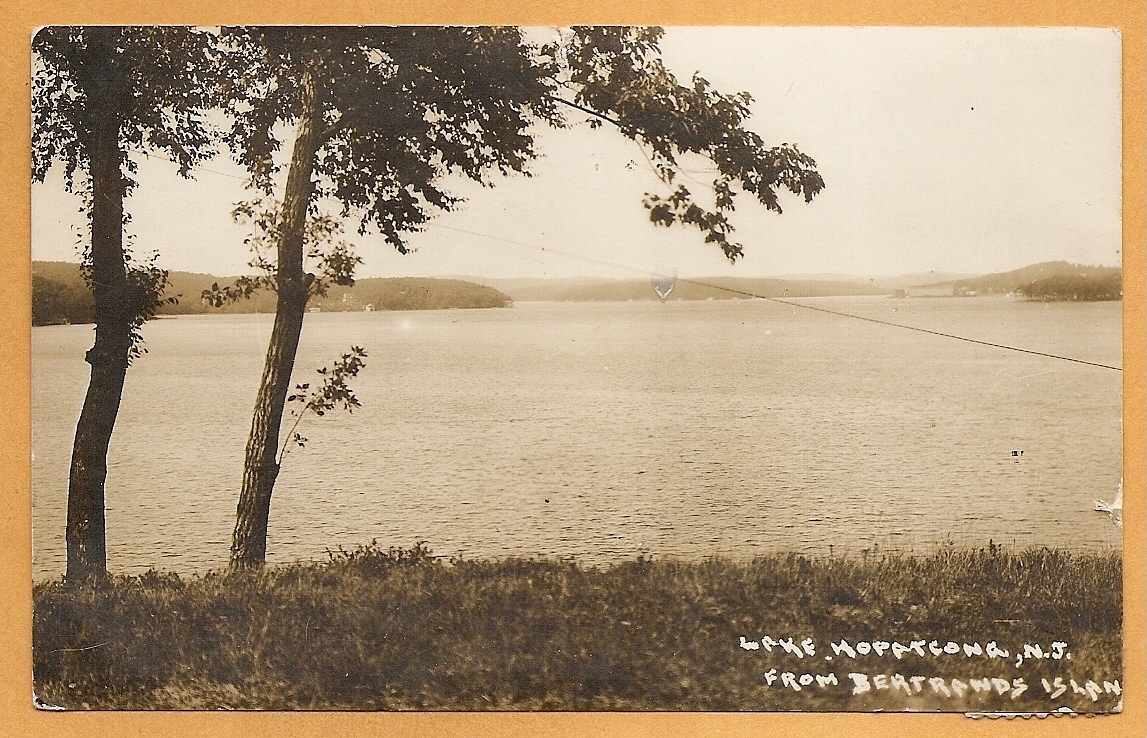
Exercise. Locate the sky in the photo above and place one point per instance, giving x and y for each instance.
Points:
(942, 149)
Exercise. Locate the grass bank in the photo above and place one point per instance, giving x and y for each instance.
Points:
(399, 629)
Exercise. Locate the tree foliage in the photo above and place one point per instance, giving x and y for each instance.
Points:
(333, 391)
(160, 79)
(615, 74)
(404, 106)
(400, 107)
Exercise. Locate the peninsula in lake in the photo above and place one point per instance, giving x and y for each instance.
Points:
(59, 295)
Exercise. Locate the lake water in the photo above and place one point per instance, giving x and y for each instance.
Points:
(603, 431)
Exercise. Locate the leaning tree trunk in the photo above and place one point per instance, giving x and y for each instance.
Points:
(261, 467)
(85, 534)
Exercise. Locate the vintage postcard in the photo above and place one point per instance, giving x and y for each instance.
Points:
(593, 368)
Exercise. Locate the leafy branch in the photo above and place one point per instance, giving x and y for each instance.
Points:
(332, 392)
(616, 76)
(335, 261)
(146, 284)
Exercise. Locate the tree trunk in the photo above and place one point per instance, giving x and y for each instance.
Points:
(87, 551)
(260, 467)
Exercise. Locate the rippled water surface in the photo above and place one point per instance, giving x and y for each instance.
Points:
(608, 430)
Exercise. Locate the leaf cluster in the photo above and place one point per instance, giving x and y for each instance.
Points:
(402, 106)
(332, 391)
(405, 106)
(146, 284)
(157, 82)
(334, 261)
(616, 74)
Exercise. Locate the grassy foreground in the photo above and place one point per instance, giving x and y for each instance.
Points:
(399, 629)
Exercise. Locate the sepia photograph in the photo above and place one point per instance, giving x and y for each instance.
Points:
(591, 368)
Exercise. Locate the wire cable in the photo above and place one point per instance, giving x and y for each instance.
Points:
(778, 300)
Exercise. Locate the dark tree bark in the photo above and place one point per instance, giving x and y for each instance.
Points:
(98, 92)
(249, 544)
(109, 355)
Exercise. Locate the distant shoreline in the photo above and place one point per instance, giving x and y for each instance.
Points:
(1016, 299)
(59, 294)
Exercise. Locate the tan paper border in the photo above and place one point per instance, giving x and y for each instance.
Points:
(19, 718)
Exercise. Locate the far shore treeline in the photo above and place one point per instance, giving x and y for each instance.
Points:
(59, 294)
(1050, 281)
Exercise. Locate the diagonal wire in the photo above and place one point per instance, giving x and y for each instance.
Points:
(814, 308)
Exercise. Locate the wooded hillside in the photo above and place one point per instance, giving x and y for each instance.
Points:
(1018, 280)
(59, 295)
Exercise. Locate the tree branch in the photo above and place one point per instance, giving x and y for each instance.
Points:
(620, 127)
(344, 120)
(594, 113)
